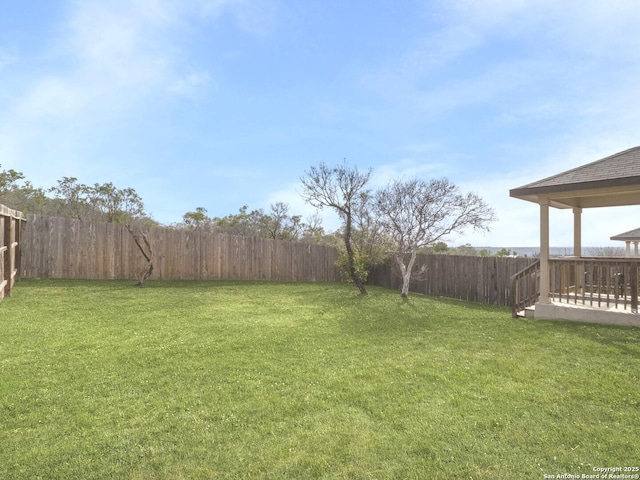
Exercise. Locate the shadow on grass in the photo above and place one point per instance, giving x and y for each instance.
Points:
(384, 313)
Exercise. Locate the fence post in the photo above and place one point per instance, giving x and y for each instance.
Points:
(10, 255)
(515, 296)
(4, 252)
(633, 285)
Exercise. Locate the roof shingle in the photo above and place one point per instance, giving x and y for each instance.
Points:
(630, 235)
(620, 165)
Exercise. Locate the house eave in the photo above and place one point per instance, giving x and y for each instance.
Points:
(604, 193)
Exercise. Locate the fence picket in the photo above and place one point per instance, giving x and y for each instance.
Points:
(477, 279)
(69, 248)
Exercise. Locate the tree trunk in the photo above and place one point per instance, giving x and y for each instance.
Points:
(350, 255)
(146, 251)
(405, 271)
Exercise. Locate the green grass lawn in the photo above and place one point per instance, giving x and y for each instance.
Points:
(188, 380)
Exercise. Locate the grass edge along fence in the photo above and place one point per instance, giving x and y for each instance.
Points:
(66, 248)
(484, 280)
(11, 223)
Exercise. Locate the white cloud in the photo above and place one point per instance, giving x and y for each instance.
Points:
(191, 84)
(109, 60)
(592, 16)
(107, 51)
(575, 38)
(407, 168)
(534, 62)
(117, 46)
(104, 67)
(52, 97)
(430, 53)
(258, 17)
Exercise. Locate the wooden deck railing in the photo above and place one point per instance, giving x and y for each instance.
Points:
(595, 282)
(10, 240)
(525, 288)
(588, 281)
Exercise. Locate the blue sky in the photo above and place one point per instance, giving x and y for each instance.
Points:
(221, 103)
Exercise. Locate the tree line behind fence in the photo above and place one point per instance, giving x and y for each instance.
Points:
(66, 248)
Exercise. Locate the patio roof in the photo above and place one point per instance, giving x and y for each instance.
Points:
(609, 182)
(630, 236)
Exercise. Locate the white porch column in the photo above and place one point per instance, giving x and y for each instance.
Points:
(627, 251)
(544, 251)
(577, 232)
(635, 247)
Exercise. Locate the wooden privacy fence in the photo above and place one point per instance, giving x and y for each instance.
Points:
(55, 247)
(476, 279)
(68, 248)
(10, 243)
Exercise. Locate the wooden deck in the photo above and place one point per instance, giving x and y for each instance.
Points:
(582, 289)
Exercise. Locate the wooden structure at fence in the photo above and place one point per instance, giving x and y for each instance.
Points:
(597, 282)
(11, 223)
(68, 248)
(476, 279)
(525, 289)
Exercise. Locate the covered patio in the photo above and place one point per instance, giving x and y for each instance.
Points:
(630, 237)
(595, 289)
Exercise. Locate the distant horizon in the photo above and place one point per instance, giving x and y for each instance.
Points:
(553, 250)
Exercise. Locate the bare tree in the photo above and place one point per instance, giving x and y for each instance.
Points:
(342, 189)
(606, 251)
(368, 237)
(278, 224)
(417, 214)
(313, 229)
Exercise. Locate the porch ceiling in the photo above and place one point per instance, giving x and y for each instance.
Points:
(610, 182)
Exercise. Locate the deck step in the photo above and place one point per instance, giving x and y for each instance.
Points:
(528, 312)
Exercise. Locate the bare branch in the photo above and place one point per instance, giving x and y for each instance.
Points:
(417, 214)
